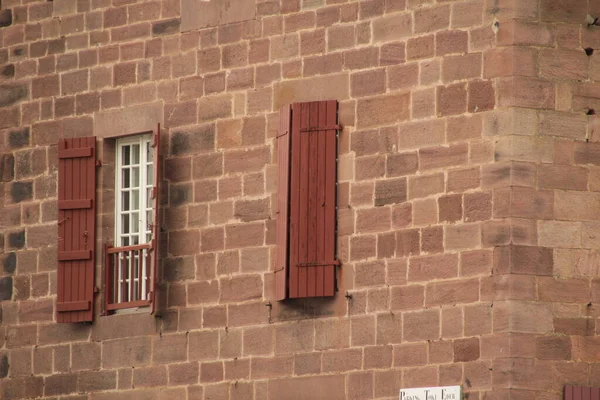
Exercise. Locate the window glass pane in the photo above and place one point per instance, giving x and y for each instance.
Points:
(135, 199)
(150, 175)
(125, 223)
(125, 178)
(125, 201)
(124, 241)
(135, 222)
(135, 154)
(135, 240)
(135, 177)
(125, 159)
(149, 219)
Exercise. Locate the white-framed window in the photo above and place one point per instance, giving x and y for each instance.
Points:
(134, 183)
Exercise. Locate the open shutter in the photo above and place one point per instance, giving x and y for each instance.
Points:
(313, 199)
(283, 187)
(155, 223)
(76, 229)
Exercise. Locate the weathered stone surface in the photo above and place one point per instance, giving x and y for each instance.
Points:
(19, 138)
(6, 288)
(10, 262)
(11, 94)
(8, 71)
(16, 239)
(166, 27)
(6, 17)
(124, 121)
(4, 366)
(202, 14)
(199, 139)
(312, 89)
(7, 167)
(21, 191)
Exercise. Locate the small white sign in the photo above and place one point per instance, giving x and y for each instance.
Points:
(432, 393)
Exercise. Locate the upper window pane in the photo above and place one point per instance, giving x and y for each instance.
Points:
(134, 179)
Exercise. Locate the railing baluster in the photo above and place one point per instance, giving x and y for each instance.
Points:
(131, 276)
(147, 272)
(129, 271)
(123, 285)
(138, 274)
(116, 288)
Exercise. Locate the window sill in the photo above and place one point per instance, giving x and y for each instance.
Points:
(132, 310)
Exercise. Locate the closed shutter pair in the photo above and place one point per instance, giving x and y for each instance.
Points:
(306, 202)
(77, 229)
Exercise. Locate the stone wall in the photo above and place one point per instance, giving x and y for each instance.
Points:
(468, 195)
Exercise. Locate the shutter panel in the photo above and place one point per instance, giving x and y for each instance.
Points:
(76, 229)
(155, 223)
(283, 187)
(313, 199)
(581, 393)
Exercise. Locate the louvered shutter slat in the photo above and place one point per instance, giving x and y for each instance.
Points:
(76, 229)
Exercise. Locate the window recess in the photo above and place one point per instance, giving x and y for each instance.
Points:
(130, 265)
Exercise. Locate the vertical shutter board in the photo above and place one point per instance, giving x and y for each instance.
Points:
(319, 139)
(155, 226)
(77, 183)
(294, 227)
(91, 220)
(568, 395)
(283, 151)
(329, 283)
(60, 273)
(78, 270)
(322, 199)
(312, 137)
(304, 212)
(595, 393)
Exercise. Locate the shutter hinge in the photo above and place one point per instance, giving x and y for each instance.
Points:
(279, 269)
(322, 128)
(283, 134)
(335, 262)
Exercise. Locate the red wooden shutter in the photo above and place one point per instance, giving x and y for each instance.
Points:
(155, 224)
(76, 229)
(283, 151)
(313, 199)
(581, 393)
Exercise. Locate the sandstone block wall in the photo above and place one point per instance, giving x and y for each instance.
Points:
(468, 195)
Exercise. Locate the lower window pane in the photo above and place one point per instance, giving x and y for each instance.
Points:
(135, 222)
(125, 223)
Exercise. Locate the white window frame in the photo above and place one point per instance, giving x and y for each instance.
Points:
(145, 187)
